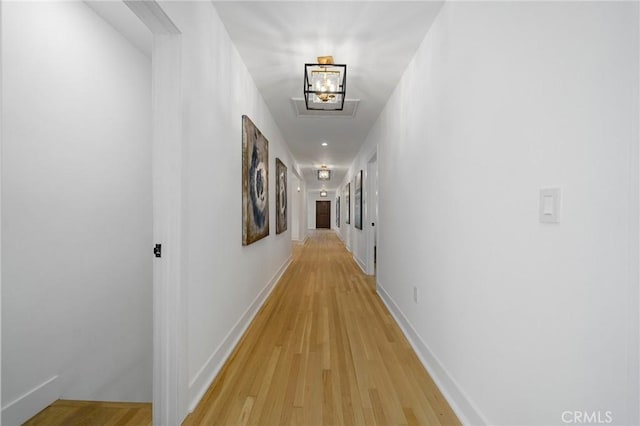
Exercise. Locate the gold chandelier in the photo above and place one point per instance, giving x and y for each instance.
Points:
(325, 85)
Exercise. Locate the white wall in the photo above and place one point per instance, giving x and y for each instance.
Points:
(76, 199)
(304, 208)
(355, 239)
(294, 209)
(312, 197)
(1, 143)
(298, 209)
(518, 321)
(226, 283)
(338, 229)
(345, 230)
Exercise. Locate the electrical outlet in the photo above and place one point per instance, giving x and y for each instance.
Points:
(415, 294)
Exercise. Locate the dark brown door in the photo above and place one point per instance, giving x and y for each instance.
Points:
(323, 214)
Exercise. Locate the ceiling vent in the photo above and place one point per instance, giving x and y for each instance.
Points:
(349, 110)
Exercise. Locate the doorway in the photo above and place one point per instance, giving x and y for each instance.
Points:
(77, 192)
(170, 383)
(323, 214)
(371, 224)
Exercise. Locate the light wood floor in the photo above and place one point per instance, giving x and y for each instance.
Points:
(323, 350)
(72, 413)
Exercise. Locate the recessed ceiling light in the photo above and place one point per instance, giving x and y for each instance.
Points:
(324, 144)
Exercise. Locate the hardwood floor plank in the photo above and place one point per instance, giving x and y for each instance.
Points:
(323, 350)
(410, 416)
(93, 413)
(246, 411)
(289, 396)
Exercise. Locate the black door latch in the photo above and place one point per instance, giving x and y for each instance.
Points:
(157, 250)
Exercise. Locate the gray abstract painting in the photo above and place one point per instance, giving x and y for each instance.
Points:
(281, 197)
(255, 183)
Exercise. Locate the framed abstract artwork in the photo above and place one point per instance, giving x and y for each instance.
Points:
(338, 212)
(357, 202)
(281, 197)
(347, 199)
(255, 183)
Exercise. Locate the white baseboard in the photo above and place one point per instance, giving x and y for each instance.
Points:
(31, 403)
(211, 368)
(360, 264)
(467, 413)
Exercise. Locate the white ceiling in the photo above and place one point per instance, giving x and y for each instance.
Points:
(376, 39)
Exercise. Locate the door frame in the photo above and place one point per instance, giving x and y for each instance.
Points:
(169, 347)
(633, 350)
(323, 201)
(371, 211)
(170, 381)
(1, 145)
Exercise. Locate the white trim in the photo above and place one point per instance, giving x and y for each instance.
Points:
(360, 263)
(152, 15)
(206, 375)
(633, 351)
(370, 236)
(169, 293)
(169, 296)
(31, 403)
(1, 127)
(466, 411)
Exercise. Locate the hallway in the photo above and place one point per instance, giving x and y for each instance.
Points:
(323, 350)
(487, 153)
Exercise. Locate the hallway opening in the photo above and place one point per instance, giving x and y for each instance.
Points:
(77, 210)
(323, 214)
(371, 203)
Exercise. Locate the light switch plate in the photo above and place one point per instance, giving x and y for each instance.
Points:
(550, 205)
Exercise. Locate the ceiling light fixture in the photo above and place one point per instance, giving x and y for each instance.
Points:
(323, 193)
(324, 173)
(324, 144)
(325, 85)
